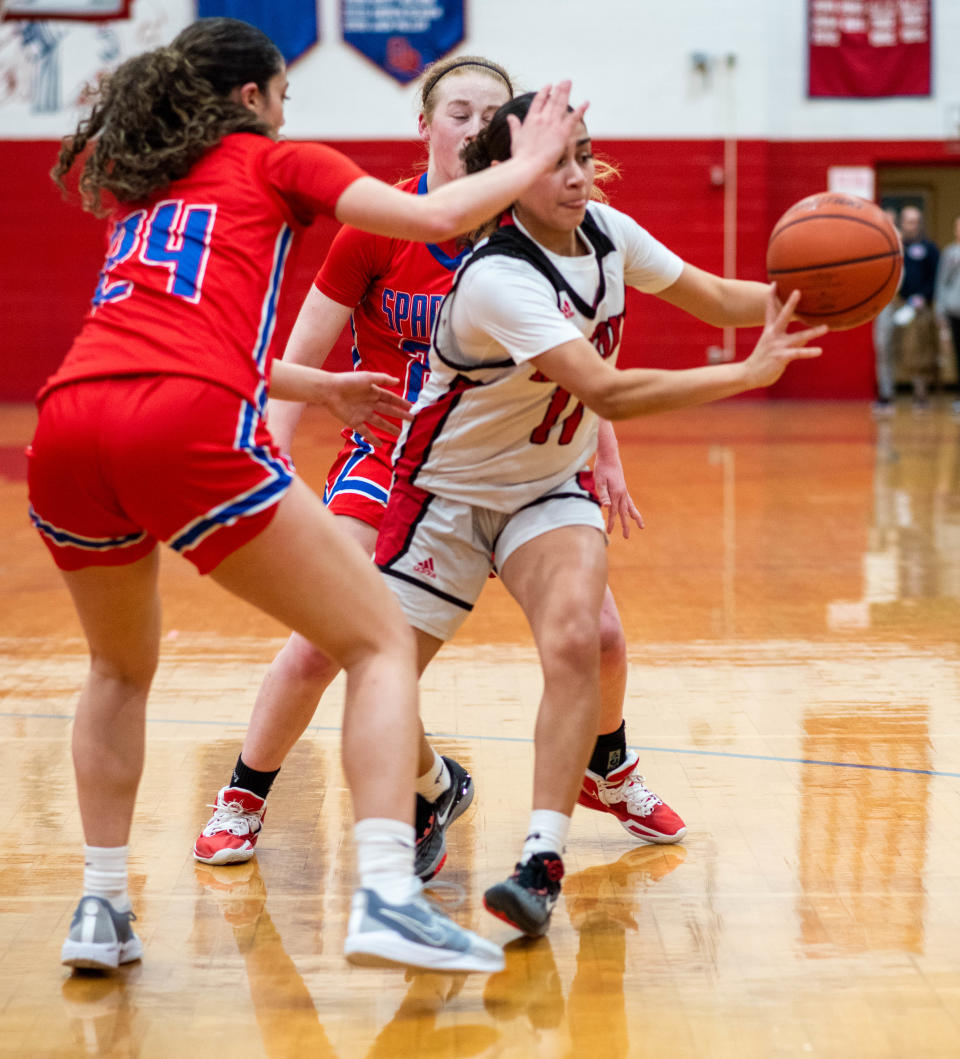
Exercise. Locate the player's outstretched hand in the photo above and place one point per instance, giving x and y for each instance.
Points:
(777, 346)
(549, 123)
(613, 494)
(359, 399)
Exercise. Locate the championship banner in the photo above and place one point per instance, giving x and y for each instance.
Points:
(292, 25)
(78, 10)
(403, 36)
(869, 48)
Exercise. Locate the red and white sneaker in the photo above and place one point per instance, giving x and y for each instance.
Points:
(638, 809)
(231, 833)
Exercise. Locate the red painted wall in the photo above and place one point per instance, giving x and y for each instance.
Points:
(52, 250)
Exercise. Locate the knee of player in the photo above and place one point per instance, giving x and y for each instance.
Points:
(302, 661)
(572, 644)
(391, 643)
(134, 670)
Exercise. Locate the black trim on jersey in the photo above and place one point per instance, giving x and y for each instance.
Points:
(546, 498)
(463, 369)
(560, 496)
(426, 588)
(509, 241)
(437, 430)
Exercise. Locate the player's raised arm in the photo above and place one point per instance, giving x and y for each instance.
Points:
(463, 205)
(616, 394)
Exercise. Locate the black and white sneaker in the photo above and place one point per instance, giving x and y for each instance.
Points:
(100, 937)
(526, 899)
(433, 819)
(415, 935)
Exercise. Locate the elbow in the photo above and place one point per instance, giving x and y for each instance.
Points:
(613, 412)
(603, 401)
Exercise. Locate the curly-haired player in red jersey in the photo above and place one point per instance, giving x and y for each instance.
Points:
(152, 429)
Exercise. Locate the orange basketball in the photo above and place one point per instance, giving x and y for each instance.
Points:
(842, 253)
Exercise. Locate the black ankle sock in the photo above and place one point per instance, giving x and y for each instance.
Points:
(609, 751)
(251, 780)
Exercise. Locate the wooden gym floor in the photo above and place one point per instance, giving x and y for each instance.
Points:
(793, 611)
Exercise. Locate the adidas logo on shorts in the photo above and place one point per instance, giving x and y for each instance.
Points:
(425, 567)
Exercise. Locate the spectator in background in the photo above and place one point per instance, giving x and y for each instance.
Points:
(886, 368)
(915, 336)
(947, 297)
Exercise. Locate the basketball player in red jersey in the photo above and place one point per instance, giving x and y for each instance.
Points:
(391, 290)
(152, 429)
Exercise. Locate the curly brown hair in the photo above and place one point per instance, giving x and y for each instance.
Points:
(159, 112)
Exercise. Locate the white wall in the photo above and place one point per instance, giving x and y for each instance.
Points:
(631, 58)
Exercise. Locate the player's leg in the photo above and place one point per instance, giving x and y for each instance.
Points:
(119, 610)
(285, 704)
(435, 554)
(559, 578)
(325, 588)
(611, 783)
(293, 684)
(444, 787)
(303, 571)
(613, 665)
(109, 564)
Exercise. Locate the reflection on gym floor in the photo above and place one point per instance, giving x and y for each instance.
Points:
(793, 612)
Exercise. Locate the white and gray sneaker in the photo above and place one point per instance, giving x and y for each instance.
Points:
(414, 935)
(100, 937)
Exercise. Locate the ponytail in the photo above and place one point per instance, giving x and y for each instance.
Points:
(159, 112)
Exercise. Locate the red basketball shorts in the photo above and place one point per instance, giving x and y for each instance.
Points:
(358, 483)
(118, 464)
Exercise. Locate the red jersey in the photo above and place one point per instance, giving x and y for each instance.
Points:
(396, 287)
(192, 275)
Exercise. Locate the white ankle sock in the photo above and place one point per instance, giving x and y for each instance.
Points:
(435, 780)
(385, 858)
(547, 833)
(105, 874)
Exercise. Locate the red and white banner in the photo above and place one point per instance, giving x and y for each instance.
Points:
(869, 48)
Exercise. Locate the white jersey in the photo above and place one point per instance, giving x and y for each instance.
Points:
(488, 428)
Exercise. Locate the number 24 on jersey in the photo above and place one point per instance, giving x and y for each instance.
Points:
(173, 236)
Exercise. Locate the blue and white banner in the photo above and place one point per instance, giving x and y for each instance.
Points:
(292, 25)
(403, 36)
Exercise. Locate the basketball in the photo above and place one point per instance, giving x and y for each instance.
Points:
(842, 253)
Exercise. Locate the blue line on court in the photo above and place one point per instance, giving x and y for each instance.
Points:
(523, 739)
(797, 761)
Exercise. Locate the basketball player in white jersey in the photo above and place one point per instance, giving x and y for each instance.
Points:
(492, 473)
